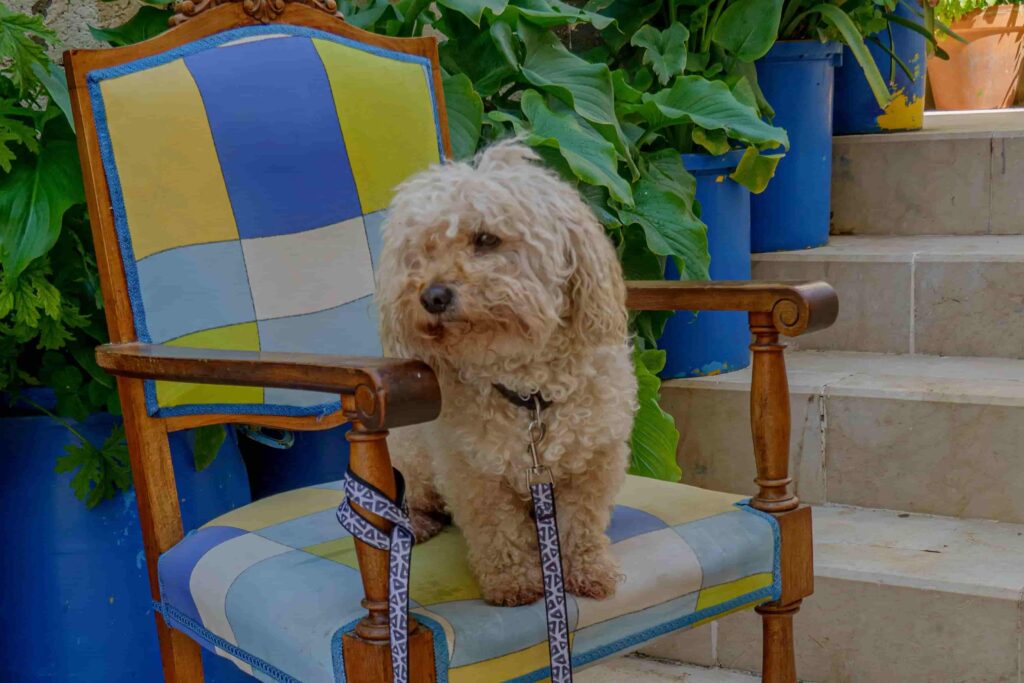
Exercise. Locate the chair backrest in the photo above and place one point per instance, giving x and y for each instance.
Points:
(238, 176)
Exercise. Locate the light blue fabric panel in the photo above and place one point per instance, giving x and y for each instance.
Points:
(349, 330)
(479, 627)
(193, 288)
(302, 532)
(373, 222)
(592, 639)
(310, 594)
(715, 540)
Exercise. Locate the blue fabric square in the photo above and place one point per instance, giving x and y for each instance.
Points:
(193, 288)
(287, 169)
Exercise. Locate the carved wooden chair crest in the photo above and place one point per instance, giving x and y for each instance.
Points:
(237, 170)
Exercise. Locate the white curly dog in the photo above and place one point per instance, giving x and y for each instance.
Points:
(498, 275)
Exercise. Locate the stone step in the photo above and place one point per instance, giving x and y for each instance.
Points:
(898, 597)
(960, 175)
(646, 670)
(943, 295)
(916, 433)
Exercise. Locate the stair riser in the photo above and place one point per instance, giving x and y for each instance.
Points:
(953, 456)
(914, 303)
(967, 186)
(867, 632)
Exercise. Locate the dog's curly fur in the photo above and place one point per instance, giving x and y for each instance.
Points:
(545, 312)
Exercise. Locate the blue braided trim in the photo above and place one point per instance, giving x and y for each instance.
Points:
(190, 627)
(93, 79)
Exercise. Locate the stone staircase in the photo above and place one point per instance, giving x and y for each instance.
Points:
(908, 418)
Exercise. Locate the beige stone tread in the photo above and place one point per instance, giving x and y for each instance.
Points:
(907, 248)
(988, 381)
(645, 670)
(992, 123)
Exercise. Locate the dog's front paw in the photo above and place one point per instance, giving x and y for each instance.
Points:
(511, 589)
(593, 577)
(425, 525)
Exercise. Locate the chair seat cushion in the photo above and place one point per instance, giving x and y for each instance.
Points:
(274, 585)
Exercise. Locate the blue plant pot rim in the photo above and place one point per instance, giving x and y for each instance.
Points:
(707, 164)
(802, 51)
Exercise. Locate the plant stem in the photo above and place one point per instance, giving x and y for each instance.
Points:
(671, 12)
(709, 31)
(415, 10)
(57, 418)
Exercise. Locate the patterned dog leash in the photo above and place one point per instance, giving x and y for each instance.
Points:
(399, 546)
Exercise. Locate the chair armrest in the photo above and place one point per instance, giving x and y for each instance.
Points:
(796, 307)
(387, 392)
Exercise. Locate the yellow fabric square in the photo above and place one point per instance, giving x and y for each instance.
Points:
(173, 187)
(674, 503)
(242, 337)
(724, 592)
(283, 507)
(439, 574)
(387, 119)
(507, 667)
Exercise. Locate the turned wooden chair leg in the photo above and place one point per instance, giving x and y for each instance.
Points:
(366, 650)
(778, 662)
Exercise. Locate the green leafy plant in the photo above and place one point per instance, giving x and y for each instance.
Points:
(610, 94)
(51, 308)
(949, 11)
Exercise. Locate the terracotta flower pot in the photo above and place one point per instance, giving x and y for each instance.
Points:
(985, 73)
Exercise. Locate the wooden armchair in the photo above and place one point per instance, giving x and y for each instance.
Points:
(178, 208)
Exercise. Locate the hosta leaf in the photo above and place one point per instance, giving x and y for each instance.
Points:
(474, 9)
(666, 215)
(551, 13)
(33, 199)
(53, 79)
(664, 50)
(149, 21)
(474, 53)
(655, 436)
(748, 28)
(714, 141)
(755, 170)
(585, 87)
(591, 157)
(712, 106)
(629, 17)
(465, 114)
(206, 442)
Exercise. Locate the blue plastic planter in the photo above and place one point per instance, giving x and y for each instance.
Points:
(712, 342)
(793, 213)
(857, 111)
(74, 590)
(280, 461)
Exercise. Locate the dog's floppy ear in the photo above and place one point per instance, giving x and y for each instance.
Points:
(596, 287)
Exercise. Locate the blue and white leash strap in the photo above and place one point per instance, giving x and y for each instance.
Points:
(399, 546)
(555, 609)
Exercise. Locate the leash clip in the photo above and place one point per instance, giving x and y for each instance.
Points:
(535, 432)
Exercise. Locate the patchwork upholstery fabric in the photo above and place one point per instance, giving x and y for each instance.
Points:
(274, 585)
(249, 173)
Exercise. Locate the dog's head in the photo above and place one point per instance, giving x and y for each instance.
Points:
(496, 263)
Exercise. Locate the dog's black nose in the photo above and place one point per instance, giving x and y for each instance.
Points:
(437, 298)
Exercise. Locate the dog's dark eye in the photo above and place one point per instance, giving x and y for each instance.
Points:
(485, 240)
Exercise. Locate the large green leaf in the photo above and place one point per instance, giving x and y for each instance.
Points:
(585, 87)
(474, 52)
(34, 197)
(23, 41)
(206, 442)
(748, 28)
(474, 9)
(465, 114)
(629, 15)
(655, 436)
(149, 21)
(551, 13)
(663, 207)
(591, 158)
(664, 50)
(755, 170)
(855, 41)
(712, 106)
(52, 78)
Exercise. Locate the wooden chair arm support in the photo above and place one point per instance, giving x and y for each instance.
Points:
(386, 392)
(795, 307)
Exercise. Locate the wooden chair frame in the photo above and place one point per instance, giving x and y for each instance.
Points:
(378, 393)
